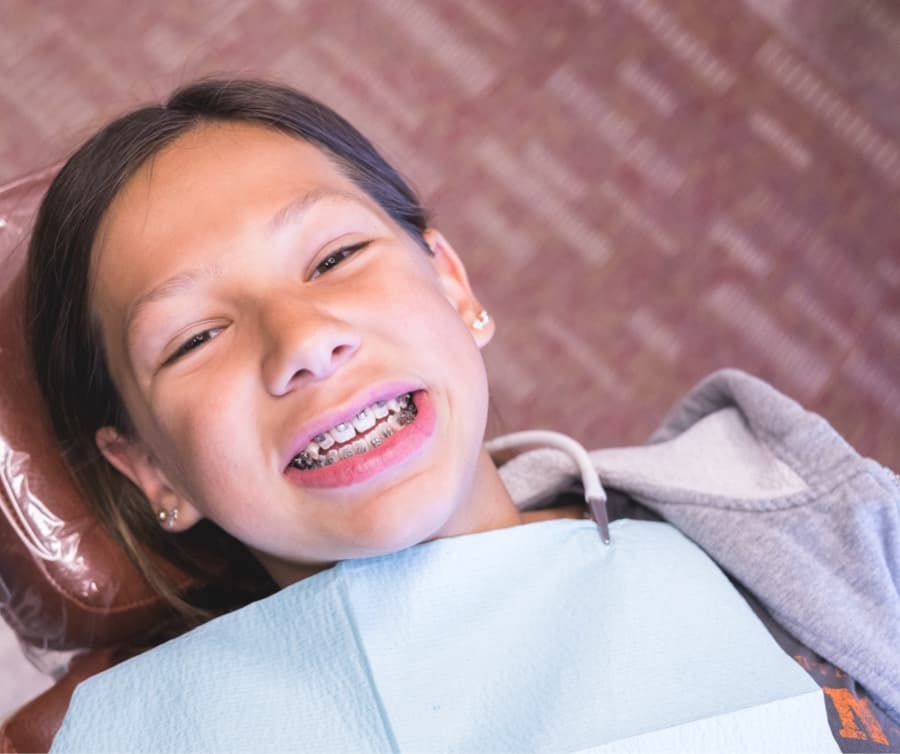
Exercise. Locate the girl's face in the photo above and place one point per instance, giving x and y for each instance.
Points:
(250, 296)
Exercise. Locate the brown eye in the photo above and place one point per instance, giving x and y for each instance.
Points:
(192, 343)
(336, 257)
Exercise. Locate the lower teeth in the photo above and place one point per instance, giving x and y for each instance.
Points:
(379, 434)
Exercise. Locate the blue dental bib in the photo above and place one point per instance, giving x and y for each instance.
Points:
(534, 638)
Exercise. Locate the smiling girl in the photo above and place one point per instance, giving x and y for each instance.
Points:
(250, 298)
(251, 341)
(242, 280)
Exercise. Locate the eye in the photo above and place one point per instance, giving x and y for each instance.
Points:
(336, 257)
(194, 342)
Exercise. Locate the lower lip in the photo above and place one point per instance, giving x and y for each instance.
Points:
(399, 447)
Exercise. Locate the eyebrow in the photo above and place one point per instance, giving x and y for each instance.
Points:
(294, 210)
(291, 213)
(168, 288)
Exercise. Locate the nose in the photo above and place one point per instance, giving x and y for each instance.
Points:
(302, 345)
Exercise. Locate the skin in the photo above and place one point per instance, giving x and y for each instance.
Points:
(277, 345)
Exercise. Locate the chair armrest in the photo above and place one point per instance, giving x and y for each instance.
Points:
(32, 727)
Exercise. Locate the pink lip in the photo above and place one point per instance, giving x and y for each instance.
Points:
(398, 448)
(346, 413)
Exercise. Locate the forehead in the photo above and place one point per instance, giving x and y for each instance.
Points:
(200, 192)
(216, 170)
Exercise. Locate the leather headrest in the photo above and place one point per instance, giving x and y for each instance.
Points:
(64, 583)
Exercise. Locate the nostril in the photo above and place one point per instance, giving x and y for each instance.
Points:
(343, 351)
(298, 354)
(342, 354)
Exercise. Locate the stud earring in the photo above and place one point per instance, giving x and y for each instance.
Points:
(481, 321)
(168, 518)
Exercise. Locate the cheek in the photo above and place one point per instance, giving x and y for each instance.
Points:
(204, 427)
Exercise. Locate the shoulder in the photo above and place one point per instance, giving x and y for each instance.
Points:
(184, 691)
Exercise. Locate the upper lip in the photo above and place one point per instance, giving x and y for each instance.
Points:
(345, 413)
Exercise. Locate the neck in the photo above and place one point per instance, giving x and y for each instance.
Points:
(493, 508)
(489, 507)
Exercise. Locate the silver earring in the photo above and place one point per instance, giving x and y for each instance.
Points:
(481, 321)
(168, 518)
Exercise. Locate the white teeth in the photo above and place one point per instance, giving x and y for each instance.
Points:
(343, 432)
(395, 410)
(364, 420)
(324, 440)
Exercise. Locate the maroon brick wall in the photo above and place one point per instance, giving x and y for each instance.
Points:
(644, 190)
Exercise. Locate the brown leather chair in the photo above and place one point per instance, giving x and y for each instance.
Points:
(64, 585)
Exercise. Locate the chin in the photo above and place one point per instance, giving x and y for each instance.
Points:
(387, 531)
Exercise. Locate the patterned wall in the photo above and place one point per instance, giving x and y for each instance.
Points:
(644, 190)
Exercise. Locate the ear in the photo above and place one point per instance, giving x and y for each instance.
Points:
(133, 460)
(455, 281)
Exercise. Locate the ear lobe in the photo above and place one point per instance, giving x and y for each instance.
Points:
(133, 461)
(455, 282)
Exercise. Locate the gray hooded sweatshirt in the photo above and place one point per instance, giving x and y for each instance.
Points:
(774, 495)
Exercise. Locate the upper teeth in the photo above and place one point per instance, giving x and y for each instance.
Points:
(361, 423)
(364, 420)
(342, 432)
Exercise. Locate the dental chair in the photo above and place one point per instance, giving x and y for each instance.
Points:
(64, 585)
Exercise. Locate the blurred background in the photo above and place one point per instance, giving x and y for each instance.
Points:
(643, 190)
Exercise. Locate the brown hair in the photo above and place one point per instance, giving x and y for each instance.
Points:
(65, 347)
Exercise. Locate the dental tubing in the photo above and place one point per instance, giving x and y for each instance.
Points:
(594, 494)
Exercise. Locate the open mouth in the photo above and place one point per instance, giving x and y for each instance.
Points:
(367, 431)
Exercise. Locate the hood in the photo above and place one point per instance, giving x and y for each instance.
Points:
(774, 494)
